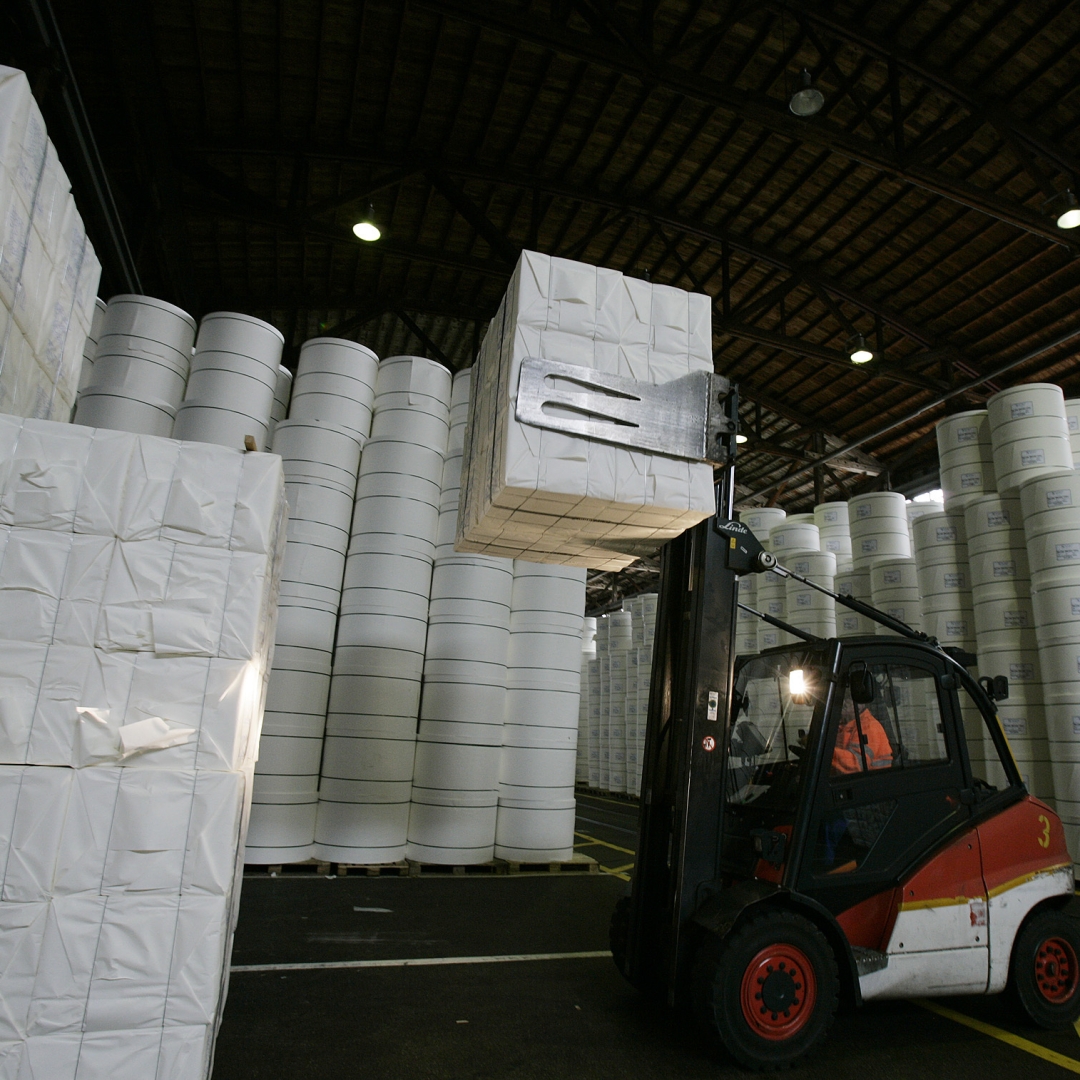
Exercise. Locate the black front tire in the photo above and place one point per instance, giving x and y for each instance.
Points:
(769, 989)
(1044, 971)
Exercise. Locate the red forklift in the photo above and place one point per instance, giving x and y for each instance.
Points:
(819, 826)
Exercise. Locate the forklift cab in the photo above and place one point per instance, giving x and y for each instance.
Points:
(836, 783)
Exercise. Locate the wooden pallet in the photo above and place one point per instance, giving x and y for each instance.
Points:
(577, 863)
(308, 866)
(394, 869)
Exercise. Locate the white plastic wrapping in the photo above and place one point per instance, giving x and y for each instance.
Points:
(138, 591)
(550, 497)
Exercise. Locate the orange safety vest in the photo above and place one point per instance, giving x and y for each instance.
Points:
(849, 749)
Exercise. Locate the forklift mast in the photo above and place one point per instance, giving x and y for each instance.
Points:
(689, 709)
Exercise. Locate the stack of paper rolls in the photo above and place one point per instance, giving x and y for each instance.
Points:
(588, 653)
(334, 382)
(536, 772)
(831, 518)
(280, 408)
(746, 624)
(761, 519)
(849, 623)
(370, 740)
(1051, 510)
(86, 373)
(320, 453)
(1004, 630)
(593, 666)
(771, 599)
(459, 738)
(320, 463)
(894, 586)
(1029, 434)
(879, 528)
(649, 603)
(966, 458)
(140, 369)
(633, 719)
(1072, 421)
(234, 374)
(807, 608)
(941, 558)
(603, 654)
(794, 535)
(620, 641)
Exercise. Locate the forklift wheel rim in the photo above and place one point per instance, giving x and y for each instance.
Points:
(777, 971)
(1056, 970)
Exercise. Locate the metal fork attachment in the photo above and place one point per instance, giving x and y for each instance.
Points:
(683, 418)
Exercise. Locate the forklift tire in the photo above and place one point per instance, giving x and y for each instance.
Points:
(1044, 972)
(769, 989)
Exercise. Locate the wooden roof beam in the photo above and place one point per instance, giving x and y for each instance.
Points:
(760, 109)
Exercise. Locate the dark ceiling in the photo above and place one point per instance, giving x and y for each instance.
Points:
(241, 139)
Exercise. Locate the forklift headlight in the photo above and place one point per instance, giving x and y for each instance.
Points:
(797, 684)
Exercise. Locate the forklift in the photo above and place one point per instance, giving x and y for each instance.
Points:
(814, 830)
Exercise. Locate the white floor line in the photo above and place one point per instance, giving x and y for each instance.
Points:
(421, 961)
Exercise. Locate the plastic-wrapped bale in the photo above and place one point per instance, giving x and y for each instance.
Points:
(558, 498)
(460, 734)
(1051, 511)
(138, 584)
(1005, 631)
(234, 375)
(320, 453)
(536, 772)
(49, 273)
(370, 742)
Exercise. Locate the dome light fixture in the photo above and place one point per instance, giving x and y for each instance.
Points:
(858, 350)
(366, 229)
(740, 439)
(807, 100)
(1068, 214)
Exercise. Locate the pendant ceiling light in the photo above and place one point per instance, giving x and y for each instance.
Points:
(807, 99)
(858, 350)
(366, 229)
(1067, 211)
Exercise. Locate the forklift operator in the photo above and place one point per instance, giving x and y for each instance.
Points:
(861, 742)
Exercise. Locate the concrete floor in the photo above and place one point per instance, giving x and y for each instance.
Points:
(521, 1020)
